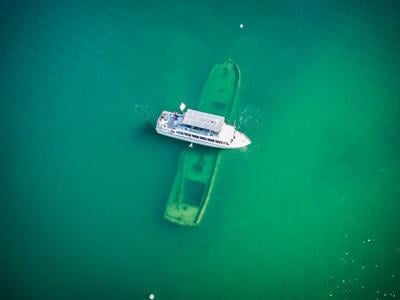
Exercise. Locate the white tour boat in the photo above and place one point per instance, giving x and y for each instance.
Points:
(201, 128)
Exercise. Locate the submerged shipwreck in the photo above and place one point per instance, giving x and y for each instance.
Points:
(198, 166)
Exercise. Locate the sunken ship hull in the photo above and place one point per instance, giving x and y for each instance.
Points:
(198, 166)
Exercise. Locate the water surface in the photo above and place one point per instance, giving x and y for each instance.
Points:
(308, 211)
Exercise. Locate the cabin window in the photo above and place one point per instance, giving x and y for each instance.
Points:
(211, 140)
(202, 138)
(195, 136)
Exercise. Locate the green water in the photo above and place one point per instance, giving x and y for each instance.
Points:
(309, 211)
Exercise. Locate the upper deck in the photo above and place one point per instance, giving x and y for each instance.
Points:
(179, 123)
(202, 120)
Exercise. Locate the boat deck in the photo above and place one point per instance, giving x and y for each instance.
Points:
(173, 123)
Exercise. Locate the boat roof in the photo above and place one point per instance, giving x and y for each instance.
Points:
(203, 120)
(226, 133)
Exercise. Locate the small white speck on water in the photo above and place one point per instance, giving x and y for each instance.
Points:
(347, 253)
(369, 240)
(363, 267)
(330, 295)
(393, 275)
(343, 281)
(376, 266)
(363, 287)
(241, 25)
(151, 297)
(363, 242)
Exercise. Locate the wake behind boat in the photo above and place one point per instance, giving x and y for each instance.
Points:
(201, 128)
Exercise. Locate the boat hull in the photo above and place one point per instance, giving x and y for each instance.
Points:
(203, 143)
(192, 187)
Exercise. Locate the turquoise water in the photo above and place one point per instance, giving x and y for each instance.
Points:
(308, 211)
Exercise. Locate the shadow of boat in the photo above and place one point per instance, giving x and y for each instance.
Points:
(197, 168)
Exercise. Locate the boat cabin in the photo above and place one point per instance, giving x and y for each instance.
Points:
(203, 121)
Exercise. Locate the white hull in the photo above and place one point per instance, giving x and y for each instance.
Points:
(200, 142)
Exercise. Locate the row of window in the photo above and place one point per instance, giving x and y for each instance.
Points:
(203, 130)
(201, 138)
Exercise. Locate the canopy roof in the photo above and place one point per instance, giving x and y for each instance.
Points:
(203, 120)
